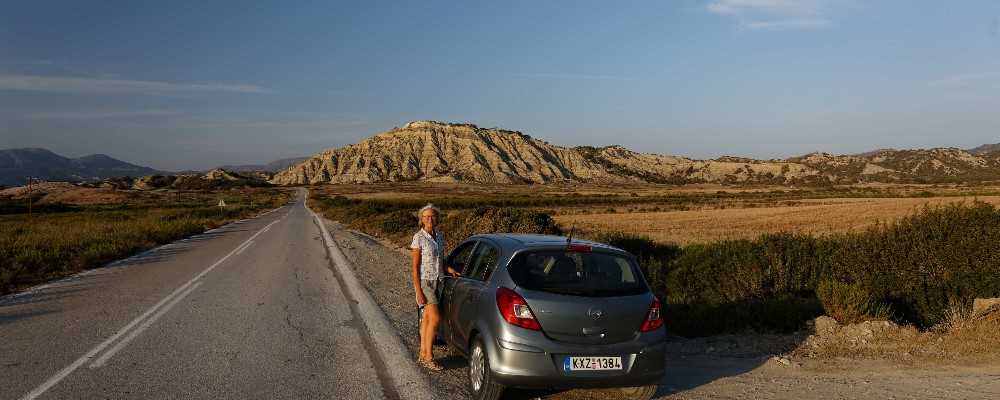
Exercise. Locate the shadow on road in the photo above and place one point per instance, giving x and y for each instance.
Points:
(6, 318)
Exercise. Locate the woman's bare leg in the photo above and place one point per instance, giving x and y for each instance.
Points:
(428, 329)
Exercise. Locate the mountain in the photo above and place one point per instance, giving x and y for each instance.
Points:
(450, 152)
(16, 164)
(985, 149)
(273, 166)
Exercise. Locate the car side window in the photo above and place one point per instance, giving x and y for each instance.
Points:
(484, 262)
(459, 258)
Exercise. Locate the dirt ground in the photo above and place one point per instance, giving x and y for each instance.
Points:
(720, 367)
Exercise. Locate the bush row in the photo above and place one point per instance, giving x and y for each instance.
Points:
(909, 270)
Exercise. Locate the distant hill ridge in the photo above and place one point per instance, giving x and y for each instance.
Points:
(461, 152)
(273, 166)
(16, 164)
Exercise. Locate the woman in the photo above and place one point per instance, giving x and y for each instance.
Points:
(426, 256)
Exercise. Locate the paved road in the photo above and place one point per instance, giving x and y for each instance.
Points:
(251, 310)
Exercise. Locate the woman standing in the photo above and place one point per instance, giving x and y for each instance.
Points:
(427, 264)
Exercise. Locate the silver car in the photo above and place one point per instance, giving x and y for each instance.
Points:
(536, 311)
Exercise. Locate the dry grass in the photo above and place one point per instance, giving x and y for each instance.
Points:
(964, 339)
(49, 244)
(816, 217)
(67, 193)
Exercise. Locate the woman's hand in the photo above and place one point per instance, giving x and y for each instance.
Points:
(453, 272)
(421, 299)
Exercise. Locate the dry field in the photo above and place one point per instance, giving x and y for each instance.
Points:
(691, 213)
(810, 216)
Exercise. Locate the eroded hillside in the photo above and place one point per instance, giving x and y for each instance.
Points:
(444, 152)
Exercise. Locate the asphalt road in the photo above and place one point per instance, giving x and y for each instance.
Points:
(250, 310)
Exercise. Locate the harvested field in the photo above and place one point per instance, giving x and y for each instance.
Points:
(811, 216)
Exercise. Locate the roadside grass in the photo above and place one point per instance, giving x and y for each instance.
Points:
(964, 339)
(61, 240)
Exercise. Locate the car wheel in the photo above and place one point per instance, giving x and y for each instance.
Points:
(638, 392)
(481, 383)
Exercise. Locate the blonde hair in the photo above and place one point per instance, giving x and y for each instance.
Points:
(420, 214)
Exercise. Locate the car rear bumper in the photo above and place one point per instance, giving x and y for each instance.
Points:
(530, 368)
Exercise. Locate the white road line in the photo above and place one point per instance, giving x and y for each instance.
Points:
(243, 247)
(124, 342)
(93, 352)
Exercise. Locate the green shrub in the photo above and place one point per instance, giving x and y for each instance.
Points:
(914, 267)
(461, 224)
(850, 303)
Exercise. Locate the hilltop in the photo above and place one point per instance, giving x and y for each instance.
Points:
(460, 152)
(16, 164)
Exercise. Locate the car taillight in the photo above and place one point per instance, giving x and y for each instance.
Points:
(653, 319)
(579, 248)
(515, 310)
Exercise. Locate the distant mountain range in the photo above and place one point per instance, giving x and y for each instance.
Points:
(449, 152)
(17, 164)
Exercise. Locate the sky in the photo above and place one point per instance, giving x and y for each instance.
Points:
(180, 85)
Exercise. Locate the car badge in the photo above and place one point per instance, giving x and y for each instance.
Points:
(595, 313)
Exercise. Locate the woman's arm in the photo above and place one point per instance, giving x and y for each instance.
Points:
(415, 267)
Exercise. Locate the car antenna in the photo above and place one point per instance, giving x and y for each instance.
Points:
(569, 239)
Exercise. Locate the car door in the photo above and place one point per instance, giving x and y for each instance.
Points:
(470, 289)
(459, 260)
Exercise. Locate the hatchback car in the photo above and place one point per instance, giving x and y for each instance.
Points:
(537, 311)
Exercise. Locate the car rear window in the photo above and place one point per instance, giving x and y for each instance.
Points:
(577, 273)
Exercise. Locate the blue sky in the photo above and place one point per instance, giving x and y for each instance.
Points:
(185, 85)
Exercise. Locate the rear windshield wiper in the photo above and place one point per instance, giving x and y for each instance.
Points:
(565, 291)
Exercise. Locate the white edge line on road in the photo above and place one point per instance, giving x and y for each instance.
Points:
(243, 247)
(10, 298)
(405, 375)
(38, 391)
(135, 332)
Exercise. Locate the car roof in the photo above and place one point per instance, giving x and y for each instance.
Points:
(523, 240)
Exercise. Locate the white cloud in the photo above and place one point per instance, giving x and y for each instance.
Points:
(964, 80)
(89, 85)
(788, 24)
(775, 14)
(578, 76)
(784, 7)
(90, 115)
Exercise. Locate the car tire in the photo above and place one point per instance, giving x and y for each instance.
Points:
(481, 384)
(638, 392)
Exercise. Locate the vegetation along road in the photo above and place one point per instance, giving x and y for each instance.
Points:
(249, 310)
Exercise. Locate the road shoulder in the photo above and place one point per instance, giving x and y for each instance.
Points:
(391, 352)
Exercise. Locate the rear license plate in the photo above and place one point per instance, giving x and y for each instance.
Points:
(592, 363)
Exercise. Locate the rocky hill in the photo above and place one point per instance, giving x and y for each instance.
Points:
(214, 179)
(273, 166)
(16, 164)
(443, 152)
(986, 149)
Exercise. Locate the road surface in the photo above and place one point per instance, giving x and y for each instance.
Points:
(250, 310)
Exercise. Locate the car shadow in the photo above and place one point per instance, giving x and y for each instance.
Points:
(691, 364)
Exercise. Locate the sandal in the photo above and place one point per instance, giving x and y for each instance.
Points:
(430, 364)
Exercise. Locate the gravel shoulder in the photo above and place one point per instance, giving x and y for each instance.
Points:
(719, 367)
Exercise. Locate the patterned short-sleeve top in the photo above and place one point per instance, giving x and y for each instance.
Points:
(431, 259)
